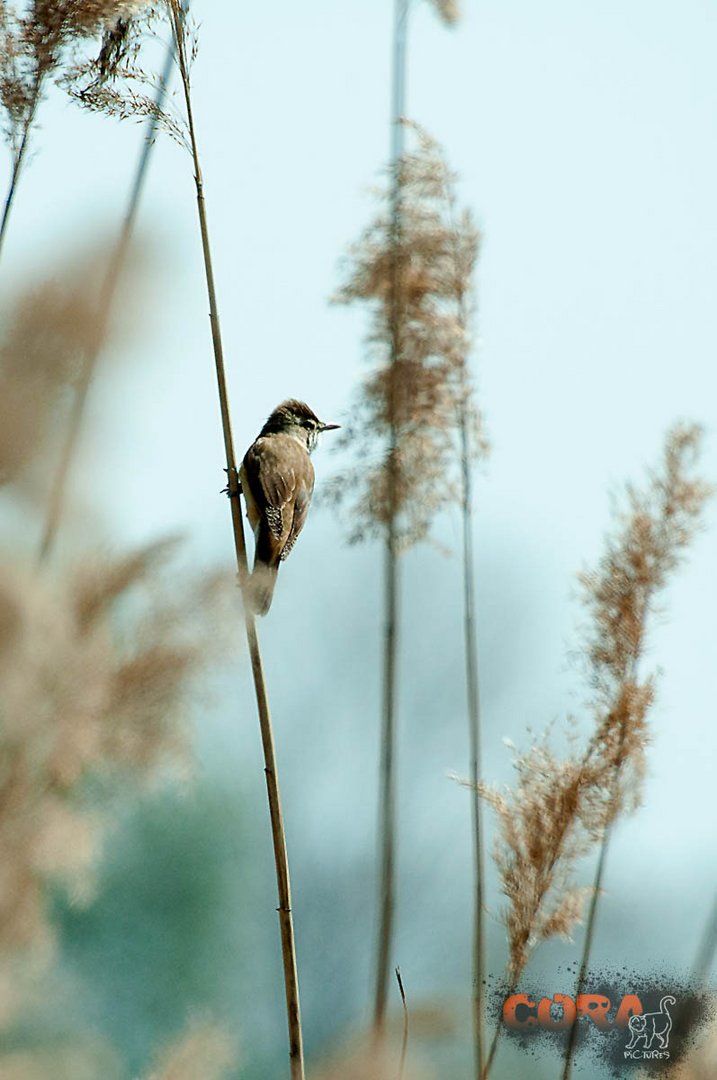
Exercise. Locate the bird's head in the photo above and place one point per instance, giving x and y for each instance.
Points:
(297, 419)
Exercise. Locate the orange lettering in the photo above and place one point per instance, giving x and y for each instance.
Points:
(596, 1008)
(630, 1006)
(546, 1017)
(517, 1012)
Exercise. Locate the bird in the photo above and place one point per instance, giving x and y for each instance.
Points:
(277, 480)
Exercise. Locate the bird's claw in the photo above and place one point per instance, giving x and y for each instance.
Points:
(229, 491)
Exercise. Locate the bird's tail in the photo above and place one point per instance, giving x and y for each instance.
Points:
(261, 587)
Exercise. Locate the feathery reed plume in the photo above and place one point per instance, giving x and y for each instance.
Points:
(125, 104)
(205, 1049)
(415, 271)
(560, 808)
(654, 530)
(425, 392)
(95, 677)
(33, 45)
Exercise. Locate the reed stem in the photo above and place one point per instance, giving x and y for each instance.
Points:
(387, 767)
(474, 726)
(18, 162)
(291, 982)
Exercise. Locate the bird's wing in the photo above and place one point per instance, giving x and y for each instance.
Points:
(270, 467)
(302, 502)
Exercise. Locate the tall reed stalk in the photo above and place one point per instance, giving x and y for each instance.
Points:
(58, 488)
(387, 767)
(296, 1052)
(474, 736)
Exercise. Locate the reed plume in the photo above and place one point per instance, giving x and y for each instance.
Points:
(50, 325)
(654, 530)
(34, 44)
(561, 808)
(123, 102)
(96, 674)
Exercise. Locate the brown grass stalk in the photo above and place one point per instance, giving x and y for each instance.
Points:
(296, 1054)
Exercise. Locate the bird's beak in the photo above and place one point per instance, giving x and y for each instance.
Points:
(330, 427)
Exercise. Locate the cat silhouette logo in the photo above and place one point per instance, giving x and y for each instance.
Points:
(645, 1028)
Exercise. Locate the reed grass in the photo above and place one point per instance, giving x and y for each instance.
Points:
(560, 809)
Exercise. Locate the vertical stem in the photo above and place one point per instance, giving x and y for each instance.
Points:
(587, 946)
(404, 1039)
(597, 891)
(18, 162)
(472, 687)
(58, 488)
(291, 982)
(387, 801)
(492, 1050)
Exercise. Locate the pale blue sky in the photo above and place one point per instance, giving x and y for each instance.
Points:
(584, 135)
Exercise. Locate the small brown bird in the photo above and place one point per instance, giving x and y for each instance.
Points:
(277, 479)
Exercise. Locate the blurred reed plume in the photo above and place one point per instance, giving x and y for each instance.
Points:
(96, 674)
(205, 1049)
(52, 334)
(561, 808)
(34, 43)
(114, 94)
(49, 328)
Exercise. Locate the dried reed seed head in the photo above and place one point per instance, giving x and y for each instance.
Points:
(558, 809)
(415, 272)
